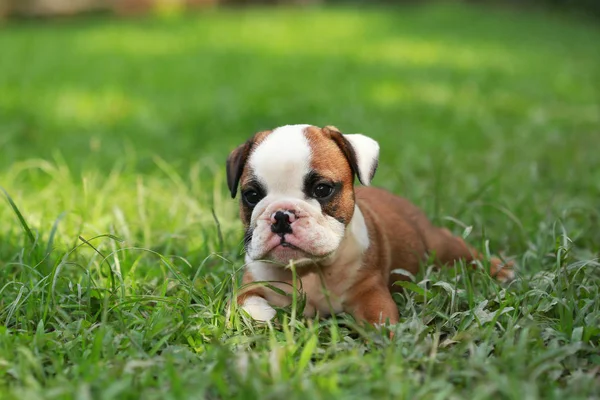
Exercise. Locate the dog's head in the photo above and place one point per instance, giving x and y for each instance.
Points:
(297, 189)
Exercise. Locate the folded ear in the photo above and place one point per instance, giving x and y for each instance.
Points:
(361, 151)
(235, 165)
(367, 156)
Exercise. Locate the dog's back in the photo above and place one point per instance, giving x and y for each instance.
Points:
(411, 237)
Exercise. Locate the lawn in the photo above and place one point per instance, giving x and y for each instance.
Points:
(120, 247)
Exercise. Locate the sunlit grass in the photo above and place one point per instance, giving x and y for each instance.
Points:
(113, 135)
(72, 107)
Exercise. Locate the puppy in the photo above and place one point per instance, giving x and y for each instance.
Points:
(299, 205)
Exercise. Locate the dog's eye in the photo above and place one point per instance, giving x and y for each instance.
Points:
(252, 197)
(322, 190)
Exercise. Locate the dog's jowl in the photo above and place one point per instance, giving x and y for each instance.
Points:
(298, 204)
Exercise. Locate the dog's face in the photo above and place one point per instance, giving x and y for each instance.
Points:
(297, 189)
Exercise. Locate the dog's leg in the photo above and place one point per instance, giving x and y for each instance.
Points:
(449, 249)
(372, 302)
(253, 301)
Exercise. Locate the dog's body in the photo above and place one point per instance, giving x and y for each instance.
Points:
(299, 205)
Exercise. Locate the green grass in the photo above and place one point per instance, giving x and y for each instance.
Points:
(115, 275)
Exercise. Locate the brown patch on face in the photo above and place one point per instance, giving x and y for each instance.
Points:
(330, 164)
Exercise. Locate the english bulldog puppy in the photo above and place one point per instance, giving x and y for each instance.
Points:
(299, 207)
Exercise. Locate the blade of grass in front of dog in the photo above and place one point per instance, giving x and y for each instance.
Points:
(30, 235)
(293, 321)
(307, 352)
(335, 335)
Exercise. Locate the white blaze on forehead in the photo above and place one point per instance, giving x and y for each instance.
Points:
(283, 159)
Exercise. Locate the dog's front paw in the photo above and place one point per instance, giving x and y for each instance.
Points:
(258, 308)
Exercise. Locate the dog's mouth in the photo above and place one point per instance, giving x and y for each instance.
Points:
(282, 248)
(285, 251)
(288, 245)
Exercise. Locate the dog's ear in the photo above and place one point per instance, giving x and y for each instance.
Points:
(235, 165)
(361, 151)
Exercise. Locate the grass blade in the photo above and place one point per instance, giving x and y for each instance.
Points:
(20, 216)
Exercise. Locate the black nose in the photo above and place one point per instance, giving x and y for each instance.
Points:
(281, 226)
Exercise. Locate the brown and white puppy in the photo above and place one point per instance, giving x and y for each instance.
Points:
(298, 203)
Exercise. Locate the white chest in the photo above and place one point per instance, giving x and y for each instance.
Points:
(325, 291)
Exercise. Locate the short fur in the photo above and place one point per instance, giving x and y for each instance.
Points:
(345, 247)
